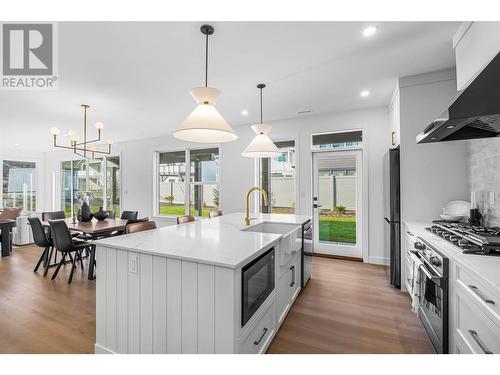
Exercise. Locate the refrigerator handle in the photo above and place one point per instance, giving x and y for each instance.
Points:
(386, 219)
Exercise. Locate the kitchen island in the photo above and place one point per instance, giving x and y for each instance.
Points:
(179, 289)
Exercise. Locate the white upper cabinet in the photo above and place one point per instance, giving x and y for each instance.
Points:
(476, 44)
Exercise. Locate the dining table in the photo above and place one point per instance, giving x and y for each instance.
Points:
(6, 231)
(95, 229)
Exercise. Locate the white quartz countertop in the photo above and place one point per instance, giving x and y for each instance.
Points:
(219, 241)
(485, 267)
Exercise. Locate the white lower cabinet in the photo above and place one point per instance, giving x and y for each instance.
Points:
(478, 331)
(259, 336)
(475, 327)
(288, 287)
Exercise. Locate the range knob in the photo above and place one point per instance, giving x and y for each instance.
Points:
(434, 228)
(463, 243)
(419, 246)
(454, 238)
(439, 232)
(447, 235)
(435, 261)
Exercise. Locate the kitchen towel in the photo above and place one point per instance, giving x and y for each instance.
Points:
(416, 291)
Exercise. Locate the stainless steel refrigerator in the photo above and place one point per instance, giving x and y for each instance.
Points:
(392, 216)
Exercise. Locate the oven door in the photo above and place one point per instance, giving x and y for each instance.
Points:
(433, 310)
(257, 284)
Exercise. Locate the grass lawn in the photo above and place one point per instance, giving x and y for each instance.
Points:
(178, 210)
(338, 229)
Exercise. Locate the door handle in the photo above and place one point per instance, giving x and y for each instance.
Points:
(316, 205)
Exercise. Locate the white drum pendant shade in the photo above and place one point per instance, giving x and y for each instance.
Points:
(261, 146)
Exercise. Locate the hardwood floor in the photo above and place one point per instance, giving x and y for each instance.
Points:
(346, 308)
(38, 315)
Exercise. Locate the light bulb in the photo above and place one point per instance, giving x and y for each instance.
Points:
(109, 142)
(99, 125)
(74, 137)
(71, 133)
(54, 131)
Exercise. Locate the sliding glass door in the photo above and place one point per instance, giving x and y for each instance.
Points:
(98, 179)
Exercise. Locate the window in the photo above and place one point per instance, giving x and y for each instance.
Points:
(98, 179)
(19, 185)
(277, 177)
(193, 190)
(341, 140)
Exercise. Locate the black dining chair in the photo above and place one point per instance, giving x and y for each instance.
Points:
(129, 215)
(41, 240)
(111, 214)
(67, 245)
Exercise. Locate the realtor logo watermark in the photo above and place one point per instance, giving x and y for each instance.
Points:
(28, 56)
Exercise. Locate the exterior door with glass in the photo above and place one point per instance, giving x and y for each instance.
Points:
(337, 187)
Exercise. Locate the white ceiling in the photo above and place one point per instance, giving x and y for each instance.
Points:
(137, 76)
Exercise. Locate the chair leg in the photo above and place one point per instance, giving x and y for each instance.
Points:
(43, 258)
(47, 266)
(73, 266)
(59, 266)
(80, 258)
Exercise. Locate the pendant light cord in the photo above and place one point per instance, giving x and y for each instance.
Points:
(260, 105)
(206, 61)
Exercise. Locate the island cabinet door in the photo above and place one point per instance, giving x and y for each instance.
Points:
(154, 304)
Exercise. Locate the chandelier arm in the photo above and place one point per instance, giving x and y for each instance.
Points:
(91, 141)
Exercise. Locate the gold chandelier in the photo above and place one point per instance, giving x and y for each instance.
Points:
(82, 148)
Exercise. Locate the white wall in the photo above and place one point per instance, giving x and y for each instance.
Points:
(237, 172)
(431, 174)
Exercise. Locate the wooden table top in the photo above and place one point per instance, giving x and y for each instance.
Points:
(95, 226)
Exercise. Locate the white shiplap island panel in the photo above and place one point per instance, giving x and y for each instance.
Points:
(178, 289)
(168, 306)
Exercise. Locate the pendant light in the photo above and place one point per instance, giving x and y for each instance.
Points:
(261, 146)
(205, 124)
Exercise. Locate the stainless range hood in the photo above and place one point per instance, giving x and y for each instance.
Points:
(475, 113)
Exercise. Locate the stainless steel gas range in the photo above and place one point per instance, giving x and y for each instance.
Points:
(469, 239)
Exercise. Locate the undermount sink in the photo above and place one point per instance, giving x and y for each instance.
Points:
(270, 227)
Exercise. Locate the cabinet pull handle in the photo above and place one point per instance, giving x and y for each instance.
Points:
(292, 268)
(476, 291)
(475, 336)
(257, 342)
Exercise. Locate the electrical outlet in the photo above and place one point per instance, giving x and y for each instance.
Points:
(492, 198)
(133, 263)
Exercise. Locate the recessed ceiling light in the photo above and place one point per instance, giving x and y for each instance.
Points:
(450, 126)
(364, 93)
(370, 30)
(244, 112)
(433, 138)
(16, 144)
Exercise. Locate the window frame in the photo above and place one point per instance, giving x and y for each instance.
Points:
(36, 179)
(187, 178)
(105, 180)
(257, 168)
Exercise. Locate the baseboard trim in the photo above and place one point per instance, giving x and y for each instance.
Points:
(378, 260)
(340, 257)
(98, 349)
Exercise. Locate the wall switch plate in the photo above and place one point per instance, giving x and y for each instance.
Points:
(492, 198)
(133, 263)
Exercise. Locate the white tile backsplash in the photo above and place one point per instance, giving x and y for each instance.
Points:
(484, 176)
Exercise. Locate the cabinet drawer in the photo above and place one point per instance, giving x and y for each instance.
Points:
(257, 340)
(479, 293)
(477, 330)
(461, 345)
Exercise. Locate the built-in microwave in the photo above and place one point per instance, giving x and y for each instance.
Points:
(257, 283)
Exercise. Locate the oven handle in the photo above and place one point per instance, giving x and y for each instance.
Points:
(428, 274)
(478, 341)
